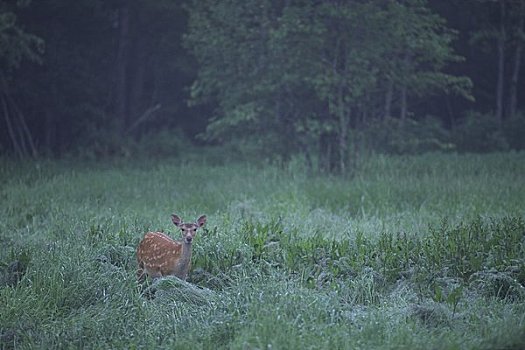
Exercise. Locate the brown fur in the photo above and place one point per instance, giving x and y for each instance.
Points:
(159, 255)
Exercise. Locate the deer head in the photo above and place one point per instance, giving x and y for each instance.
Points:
(189, 230)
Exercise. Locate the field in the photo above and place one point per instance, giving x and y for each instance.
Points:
(420, 252)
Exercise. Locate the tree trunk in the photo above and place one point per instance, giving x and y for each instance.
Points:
(501, 64)
(403, 109)
(25, 133)
(513, 88)
(328, 146)
(343, 131)
(137, 103)
(388, 99)
(406, 66)
(451, 118)
(17, 128)
(121, 95)
(48, 131)
(325, 152)
(11, 132)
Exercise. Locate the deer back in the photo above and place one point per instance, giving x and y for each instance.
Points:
(160, 255)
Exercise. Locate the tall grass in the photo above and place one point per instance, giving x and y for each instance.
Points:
(411, 252)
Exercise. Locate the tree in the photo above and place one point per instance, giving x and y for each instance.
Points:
(501, 38)
(15, 46)
(518, 40)
(420, 48)
(101, 85)
(504, 31)
(149, 62)
(308, 71)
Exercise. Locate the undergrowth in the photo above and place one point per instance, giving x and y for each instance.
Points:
(464, 252)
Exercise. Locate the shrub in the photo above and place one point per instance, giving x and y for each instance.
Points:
(514, 130)
(479, 133)
(108, 143)
(395, 136)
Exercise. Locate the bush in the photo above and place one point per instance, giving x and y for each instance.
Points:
(108, 143)
(395, 136)
(479, 133)
(513, 130)
(163, 143)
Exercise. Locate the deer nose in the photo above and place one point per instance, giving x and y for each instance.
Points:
(189, 239)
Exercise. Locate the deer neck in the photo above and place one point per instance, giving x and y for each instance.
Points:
(184, 263)
(186, 252)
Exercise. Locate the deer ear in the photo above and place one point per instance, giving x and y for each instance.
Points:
(176, 220)
(201, 221)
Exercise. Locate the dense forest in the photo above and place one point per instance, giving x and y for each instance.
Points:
(326, 79)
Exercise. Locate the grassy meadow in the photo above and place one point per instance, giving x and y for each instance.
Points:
(419, 252)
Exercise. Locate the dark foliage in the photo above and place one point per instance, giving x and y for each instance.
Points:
(272, 79)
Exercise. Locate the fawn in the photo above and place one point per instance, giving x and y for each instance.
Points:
(159, 255)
